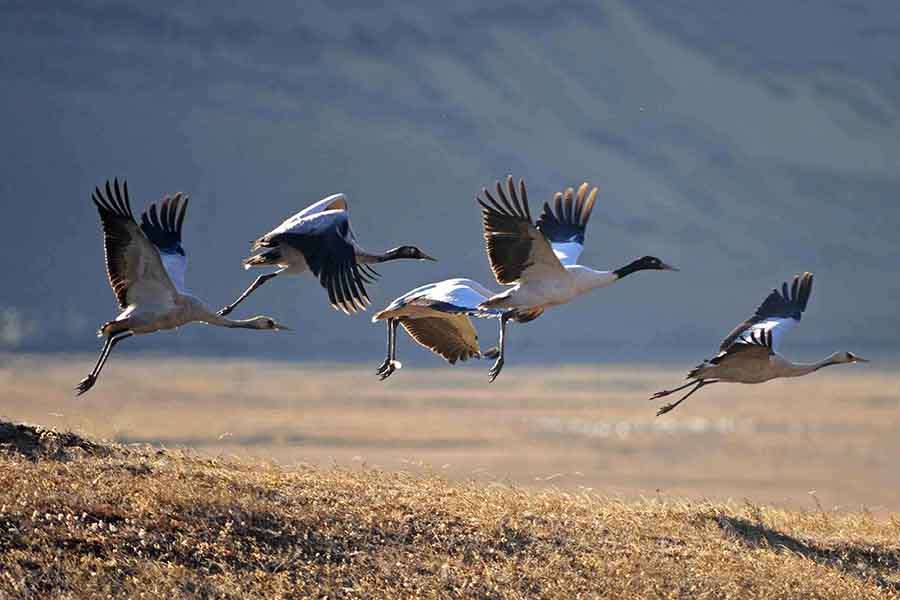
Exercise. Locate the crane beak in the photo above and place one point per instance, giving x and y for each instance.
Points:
(666, 267)
(860, 359)
(280, 327)
(426, 257)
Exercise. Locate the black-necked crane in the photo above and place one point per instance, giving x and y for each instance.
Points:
(319, 239)
(436, 316)
(539, 260)
(145, 265)
(748, 355)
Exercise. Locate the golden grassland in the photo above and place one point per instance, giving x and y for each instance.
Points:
(80, 519)
(830, 439)
(284, 480)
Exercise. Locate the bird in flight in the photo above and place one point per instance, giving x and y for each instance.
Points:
(748, 354)
(540, 260)
(146, 265)
(437, 316)
(319, 239)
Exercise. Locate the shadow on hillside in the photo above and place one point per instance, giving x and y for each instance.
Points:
(37, 443)
(868, 563)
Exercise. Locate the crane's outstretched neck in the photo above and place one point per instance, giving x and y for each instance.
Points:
(800, 369)
(258, 322)
(252, 323)
(399, 253)
(587, 279)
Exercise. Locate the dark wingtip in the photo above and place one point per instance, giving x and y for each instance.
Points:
(568, 205)
(370, 271)
(110, 199)
(506, 203)
(806, 288)
(109, 194)
(97, 199)
(523, 194)
(180, 220)
(164, 212)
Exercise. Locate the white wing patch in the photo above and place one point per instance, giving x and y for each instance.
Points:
(567, 252)
(463, 293)
(310, 224)
(457, 294)
(332, 202)
(176, 267)
(335, 203)
(777, 326)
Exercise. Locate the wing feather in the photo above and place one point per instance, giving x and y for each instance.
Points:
(298, 221)
(515, 247)
(133, 264)
(780, 312)
(452, 337)
(457, 296)
(163, 229)
(326, 243)
(564, 221)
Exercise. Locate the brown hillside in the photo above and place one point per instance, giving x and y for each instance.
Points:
(80, 519)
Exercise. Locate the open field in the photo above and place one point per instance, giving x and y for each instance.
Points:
(829, 440)
(84, 520)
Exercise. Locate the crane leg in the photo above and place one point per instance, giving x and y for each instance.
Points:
(88, 382)
(672, 391)
(498, 364)
(390, 347)
(390, 363)
(256, 283)
(702, 383)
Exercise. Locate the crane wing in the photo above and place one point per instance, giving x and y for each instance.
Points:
(516, 248)
(133, 264)
(337, 202)
(455, 296)
(333, 202)
(326, 242)
(163, 228)
(753, 351)
(451, 337)
(780, 312)
(564, 222)
(452, 296)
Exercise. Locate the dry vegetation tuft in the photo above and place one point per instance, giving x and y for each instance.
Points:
(80, 519)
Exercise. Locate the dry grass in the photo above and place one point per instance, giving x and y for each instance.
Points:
(587, 428)
(83, 520)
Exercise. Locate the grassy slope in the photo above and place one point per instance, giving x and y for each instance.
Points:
(79, 519)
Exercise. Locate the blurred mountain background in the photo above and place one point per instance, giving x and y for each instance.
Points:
(743, 143)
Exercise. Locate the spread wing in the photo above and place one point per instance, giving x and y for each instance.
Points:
(779, 313)
(333, 202)
(756, 349)
(163, 228)
(327, 245)
(516, 249)
(455, 296)
(133, 264)
(564, 222)
(452, 337)
(452, 296)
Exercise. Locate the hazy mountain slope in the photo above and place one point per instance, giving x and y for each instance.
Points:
(741, 146)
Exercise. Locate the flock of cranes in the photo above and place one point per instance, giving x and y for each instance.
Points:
(538, 260)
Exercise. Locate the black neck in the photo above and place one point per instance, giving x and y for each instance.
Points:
(628, 269)
(390, 255)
